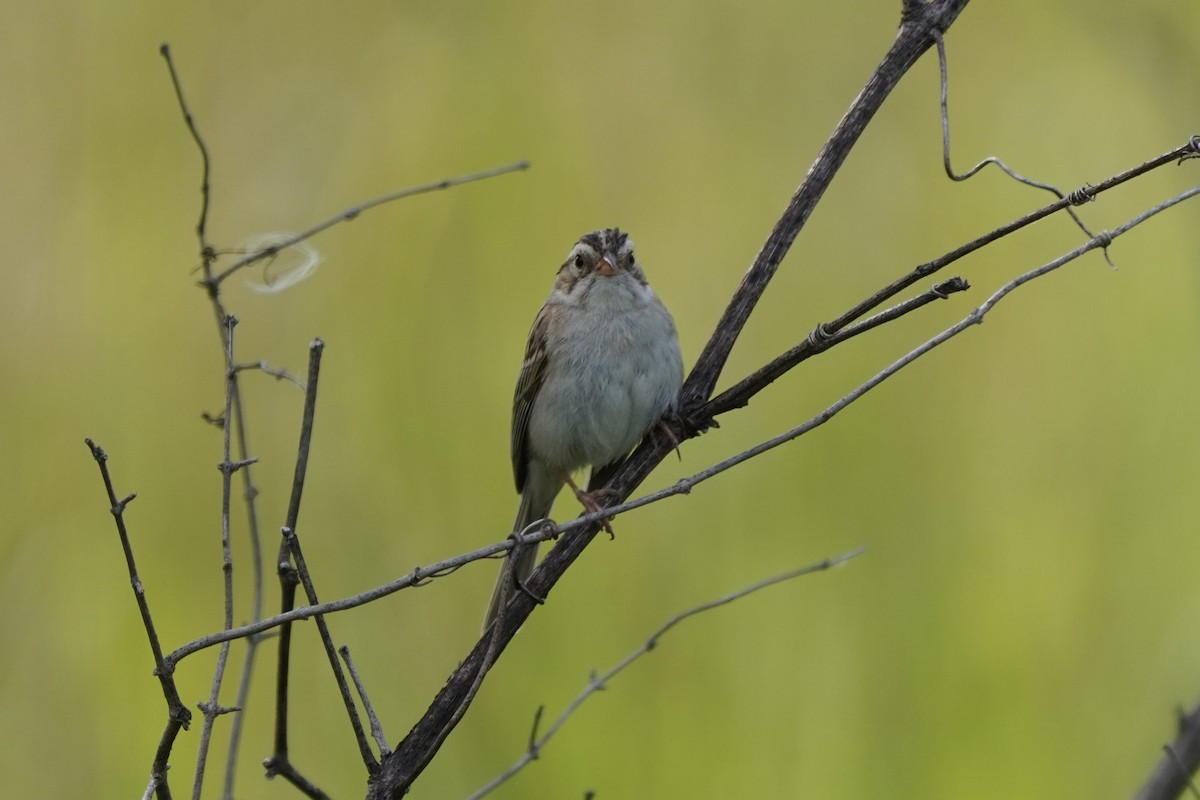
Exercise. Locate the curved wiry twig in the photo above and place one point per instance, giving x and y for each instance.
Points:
(599, 682)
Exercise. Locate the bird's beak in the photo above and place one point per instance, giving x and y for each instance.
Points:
(608, 265)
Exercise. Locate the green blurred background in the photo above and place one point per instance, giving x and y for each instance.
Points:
(1025, 619)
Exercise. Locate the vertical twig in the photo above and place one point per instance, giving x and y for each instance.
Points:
(207, 251)
(249, 495)
(292, 570)
(212, 708)
(237, 419)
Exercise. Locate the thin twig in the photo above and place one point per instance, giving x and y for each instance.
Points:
(539, 532)
(211, 282)
(536, 532)
(201, 226)
(249, 497)
(828, 333)
(178, 715)
(396, 775)
(1012, 173)
(376, 727)
(821, 339)
(354, 211)
(227, 469)
(598, 682)
(339, 674)
(292, 569)
(292, 775)
(915, 37)
(208, 256)
(418, 748)
(274, 372)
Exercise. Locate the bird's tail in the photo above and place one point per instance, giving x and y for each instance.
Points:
(526, 558)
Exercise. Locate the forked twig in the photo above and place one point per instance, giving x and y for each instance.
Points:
(293, 570)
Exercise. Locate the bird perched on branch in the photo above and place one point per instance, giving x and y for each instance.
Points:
(602, 366)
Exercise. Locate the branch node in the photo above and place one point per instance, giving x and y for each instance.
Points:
(215, 709)
(97, 451)
(955, 284)
(534, 748)
(119, 508)
(1194, 145)
(417, 580)
(1084, 194)
(181, 714)
(820, 336)
(233, 466)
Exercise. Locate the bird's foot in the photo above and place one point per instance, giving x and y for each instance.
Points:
(591, 501)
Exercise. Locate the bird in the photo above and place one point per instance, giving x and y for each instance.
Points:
(602, 367)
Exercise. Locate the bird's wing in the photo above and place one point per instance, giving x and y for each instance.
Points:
(533, 372)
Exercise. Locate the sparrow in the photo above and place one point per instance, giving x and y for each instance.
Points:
(602, 367)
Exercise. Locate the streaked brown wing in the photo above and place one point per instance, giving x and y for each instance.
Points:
(533, 372)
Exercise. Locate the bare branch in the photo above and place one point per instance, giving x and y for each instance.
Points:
(227, 470)
(250, 492)
(327, 640)
(825, 336)
(417, 749)
(233, 420)
(277, 374)
(290, 774)
(950, 173)
(819, 340)
(917, 31)
(354, 211)
(541, 531)
(376, 728)
(278, 763)
(597, 683)
(206, 250)
(178, 715)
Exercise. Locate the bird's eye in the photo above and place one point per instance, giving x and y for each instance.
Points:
(631, 258)
(579, 261)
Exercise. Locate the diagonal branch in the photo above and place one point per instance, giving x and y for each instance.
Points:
(423, 740)
(292, 571)
(829, 334)
(919, 27)
(354, 211)
(208, 257)
(178, 715)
